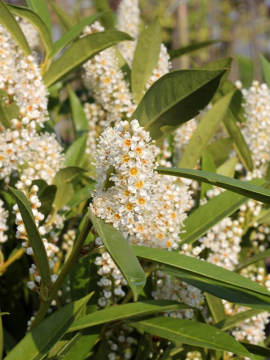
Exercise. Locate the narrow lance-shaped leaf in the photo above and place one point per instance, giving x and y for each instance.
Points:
(240, 144)
(72, 34)
(228, 168)
(266, 69)
(40, 7)
(125, 312)
(64, 18)
(208, 277)
(244, 188)
(232, 321)
(192, 333)
(191, 48)
(208, 164)
(8, 21)
(76, 151)
(80, 51)
(216, 209)
(245, 70)
(33, 235)
(145, 58)
(78, 114)
(204, 132)
(36, 21)
(216, 307)
(176, 98)
(38, 342)
(122, 254)
(82, 346)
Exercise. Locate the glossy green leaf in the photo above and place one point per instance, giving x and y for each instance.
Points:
(216, 307)
(266, 69)
(204, 132)
(145, 58)
(240, 144)
(232, 321)
(220, 150)
(122, 254)
(36, 21)
(208, 164)
(253, 259)
(206, 216)
(176, 98)
(82, 346)
(33, 235)
(184, 50)
(64, 187)
(72, 34)
(38, 342)
(74, 154)
(64, 18)
(78, 115)
(208, 277)
(81, 195)
(245, 188)
(245, 70)
(9, 22)
(192, 333)
(80, 51)
(40, 7)
(46, 196)
(125, 312)
(228, 168)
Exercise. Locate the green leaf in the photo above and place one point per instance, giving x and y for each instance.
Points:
(36, 21)
(46, 196)
(64, 18)
(8, 111)
(245, 70)
(253, 259)
(232, 321)
(208, 277)
(208, 164)
(204, 132)
(38, 342)
(40, 7)
(176, 98)
(78, 114)
(244, 188)
(108, 19)
(80, 51)
(125, 312)
(206, 216)
(266, 69)
(240, 144)
(74, 154)
(121, 253)
(228, 168)
(191, 48)
(82, 346)
(33, 235)
(145, 58)
(81, 195)
(64, 187)
(220, 150)
(72, 34)
(260, 352)
(191, 333)
(216, 307)
(8, 21)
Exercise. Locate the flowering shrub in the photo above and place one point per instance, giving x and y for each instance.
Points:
(134, 201)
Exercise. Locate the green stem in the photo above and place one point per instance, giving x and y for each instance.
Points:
(44, 305)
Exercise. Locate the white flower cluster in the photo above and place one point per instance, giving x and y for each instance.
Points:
(30, 33)
(162, 68)
(104, 77)
(147, 208)
(111, 281)
(21, 82)
(170, 288)
(182, 136)
(121, 343)
(128, 17)
(3, 223)
(256, 129)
